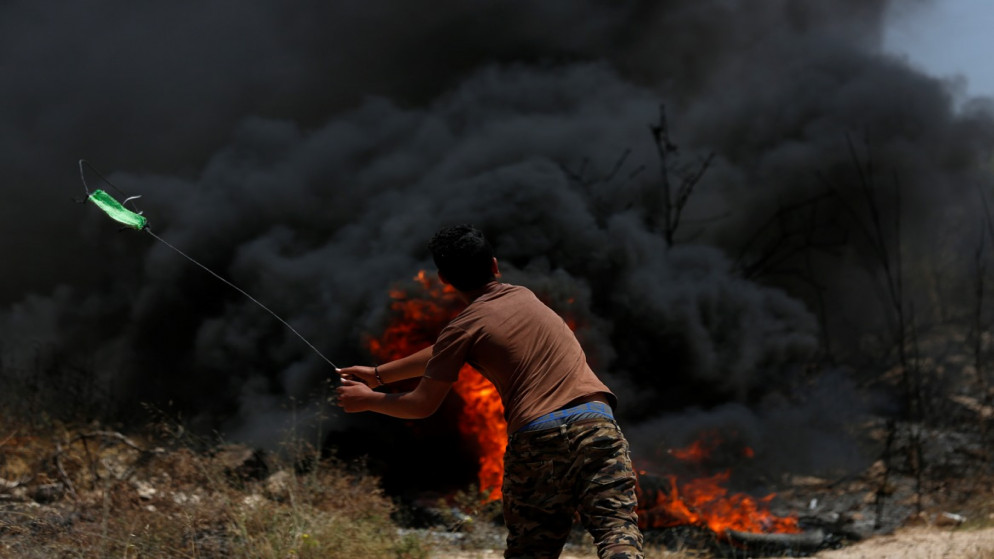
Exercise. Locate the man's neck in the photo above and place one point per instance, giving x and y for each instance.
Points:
(470, 296)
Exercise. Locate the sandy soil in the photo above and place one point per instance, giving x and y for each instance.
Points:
(908, 543)
(921, 543)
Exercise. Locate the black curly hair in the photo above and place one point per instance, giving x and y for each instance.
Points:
(463, 256)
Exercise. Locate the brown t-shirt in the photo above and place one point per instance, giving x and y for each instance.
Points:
(520, 345)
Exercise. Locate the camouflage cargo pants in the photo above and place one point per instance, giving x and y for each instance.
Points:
(552, 474)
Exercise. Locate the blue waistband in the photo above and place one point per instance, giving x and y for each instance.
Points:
(590, 410)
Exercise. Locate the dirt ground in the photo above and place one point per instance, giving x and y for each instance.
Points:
(908, 543)
(921, 543)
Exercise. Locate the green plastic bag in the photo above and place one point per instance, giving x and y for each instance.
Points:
(116, 211)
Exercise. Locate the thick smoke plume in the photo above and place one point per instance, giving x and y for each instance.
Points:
(308, 153)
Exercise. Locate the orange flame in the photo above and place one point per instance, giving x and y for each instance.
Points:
(483, 421)
(696, 452)
(419, 314)
(706, 501)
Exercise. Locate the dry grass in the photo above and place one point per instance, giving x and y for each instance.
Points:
(90, 492)
(81, 493)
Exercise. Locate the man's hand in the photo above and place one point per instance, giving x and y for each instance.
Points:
(354, 396)
(360, 373)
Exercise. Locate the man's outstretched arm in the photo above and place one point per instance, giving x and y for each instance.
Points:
(354, 396)
(411, 366)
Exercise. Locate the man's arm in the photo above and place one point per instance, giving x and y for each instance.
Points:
(421, 402)
(411, 366)
(406, 367)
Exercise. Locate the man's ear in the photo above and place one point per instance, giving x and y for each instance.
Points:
(495, 268)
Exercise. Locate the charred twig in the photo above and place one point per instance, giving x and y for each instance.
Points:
(579, 176)
(57, 459)
(109, 435)
(664, 147)
(673, 206)
(583, 178)
(91, 461)
(686, 188)
(144, 453)
(780, 249)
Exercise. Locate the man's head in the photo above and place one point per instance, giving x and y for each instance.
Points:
(463, 256)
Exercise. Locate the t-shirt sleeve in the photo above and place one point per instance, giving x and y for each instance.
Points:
(449, 355)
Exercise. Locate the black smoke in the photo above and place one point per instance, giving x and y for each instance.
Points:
(307, 151)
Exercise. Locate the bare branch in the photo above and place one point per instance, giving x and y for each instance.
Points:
(664, 147)
(686, 188)
(109, 435)
(672, 206)
(57, 459)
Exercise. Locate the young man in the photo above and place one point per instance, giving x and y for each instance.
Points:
(565, 452)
